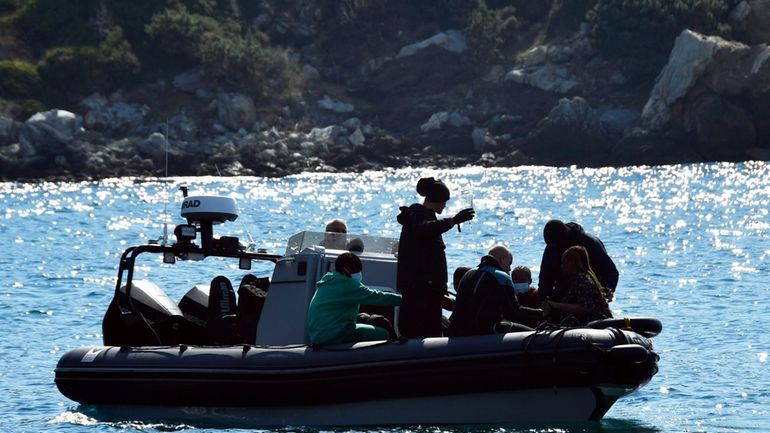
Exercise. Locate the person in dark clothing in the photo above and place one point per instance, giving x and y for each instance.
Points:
(486, 300)
(558, 237)
(585, 300)
(422, 266)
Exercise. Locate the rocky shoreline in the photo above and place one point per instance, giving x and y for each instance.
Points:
(557, 105)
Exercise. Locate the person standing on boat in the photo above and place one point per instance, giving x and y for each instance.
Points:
(558, 237)
(486, 300)
(422, 265)
(334, 307)
(586, 299)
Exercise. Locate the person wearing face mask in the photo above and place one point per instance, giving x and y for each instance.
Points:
(522, 284)
(486, 300)
(334, 307)
(422, 266)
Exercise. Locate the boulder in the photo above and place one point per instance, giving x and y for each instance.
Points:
(571, 133)
(722, 130)
(548, 77)
(618, 121)
(644, 147)
(235, 110)
(310, 73)
(711, 88)
(120, 118)
(438, 120)
(180, 127)
(188, 81)
(450, 40)
(330, 104)
(357, 138)
(688, 61)
(9, 131)
(693, 57)
(95, 101)
(481, 139)
(49, 132)
(154, 146)
(755, 21)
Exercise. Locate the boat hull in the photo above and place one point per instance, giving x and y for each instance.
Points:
(560, 375)
(533, 405)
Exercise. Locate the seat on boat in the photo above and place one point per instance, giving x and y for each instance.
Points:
(222, 324)
(251, 299)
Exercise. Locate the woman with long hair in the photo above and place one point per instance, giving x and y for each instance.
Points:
(586, 299)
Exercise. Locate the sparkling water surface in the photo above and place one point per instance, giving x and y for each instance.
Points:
(692, 244)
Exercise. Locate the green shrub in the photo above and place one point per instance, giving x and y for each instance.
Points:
(179, 33)
(234, 60)
(646, 29)
(8, 6)
(103, 67)
(248, 65)
(45, 23)
(488, 30)
(18, 80)
(565, 17)
(133, 16)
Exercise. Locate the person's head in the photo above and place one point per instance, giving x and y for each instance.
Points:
(435, 192)
(521, 277)
(521, 274)
(355, 245)
(336, 226)
(557, 234)
(458, 275)
(348, 264)
(575, 259)
(503, 257)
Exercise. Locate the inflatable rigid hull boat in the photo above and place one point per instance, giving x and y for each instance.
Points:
(560, 375)
(247, 361)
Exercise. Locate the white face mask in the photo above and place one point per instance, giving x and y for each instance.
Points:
(521, 287)
(357, 276)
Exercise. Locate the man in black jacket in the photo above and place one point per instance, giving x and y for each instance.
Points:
(486, 300)
(558, 237)
(422, 266)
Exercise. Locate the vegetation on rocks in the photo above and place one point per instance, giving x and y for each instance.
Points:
(242, 84)
(644, 30)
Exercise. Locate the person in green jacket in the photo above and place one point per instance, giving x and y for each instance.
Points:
(334, 307)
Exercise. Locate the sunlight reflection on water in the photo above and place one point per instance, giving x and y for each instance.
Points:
(691, 243)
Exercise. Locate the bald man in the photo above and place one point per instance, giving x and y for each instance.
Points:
(336, 235)
(486, 300)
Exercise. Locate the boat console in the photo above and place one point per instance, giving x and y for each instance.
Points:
(142, 314)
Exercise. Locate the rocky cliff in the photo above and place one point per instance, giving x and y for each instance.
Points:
(410, 92)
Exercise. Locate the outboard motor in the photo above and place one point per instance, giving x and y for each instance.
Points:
(195, 307)
(159, 322)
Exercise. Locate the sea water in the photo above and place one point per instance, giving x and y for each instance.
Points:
(691, 242)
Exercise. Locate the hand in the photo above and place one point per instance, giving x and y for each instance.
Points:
(610, 294)
(546, 307)
(447, 303)
(464, 215)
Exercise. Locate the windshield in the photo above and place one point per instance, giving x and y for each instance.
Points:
(342, 241)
